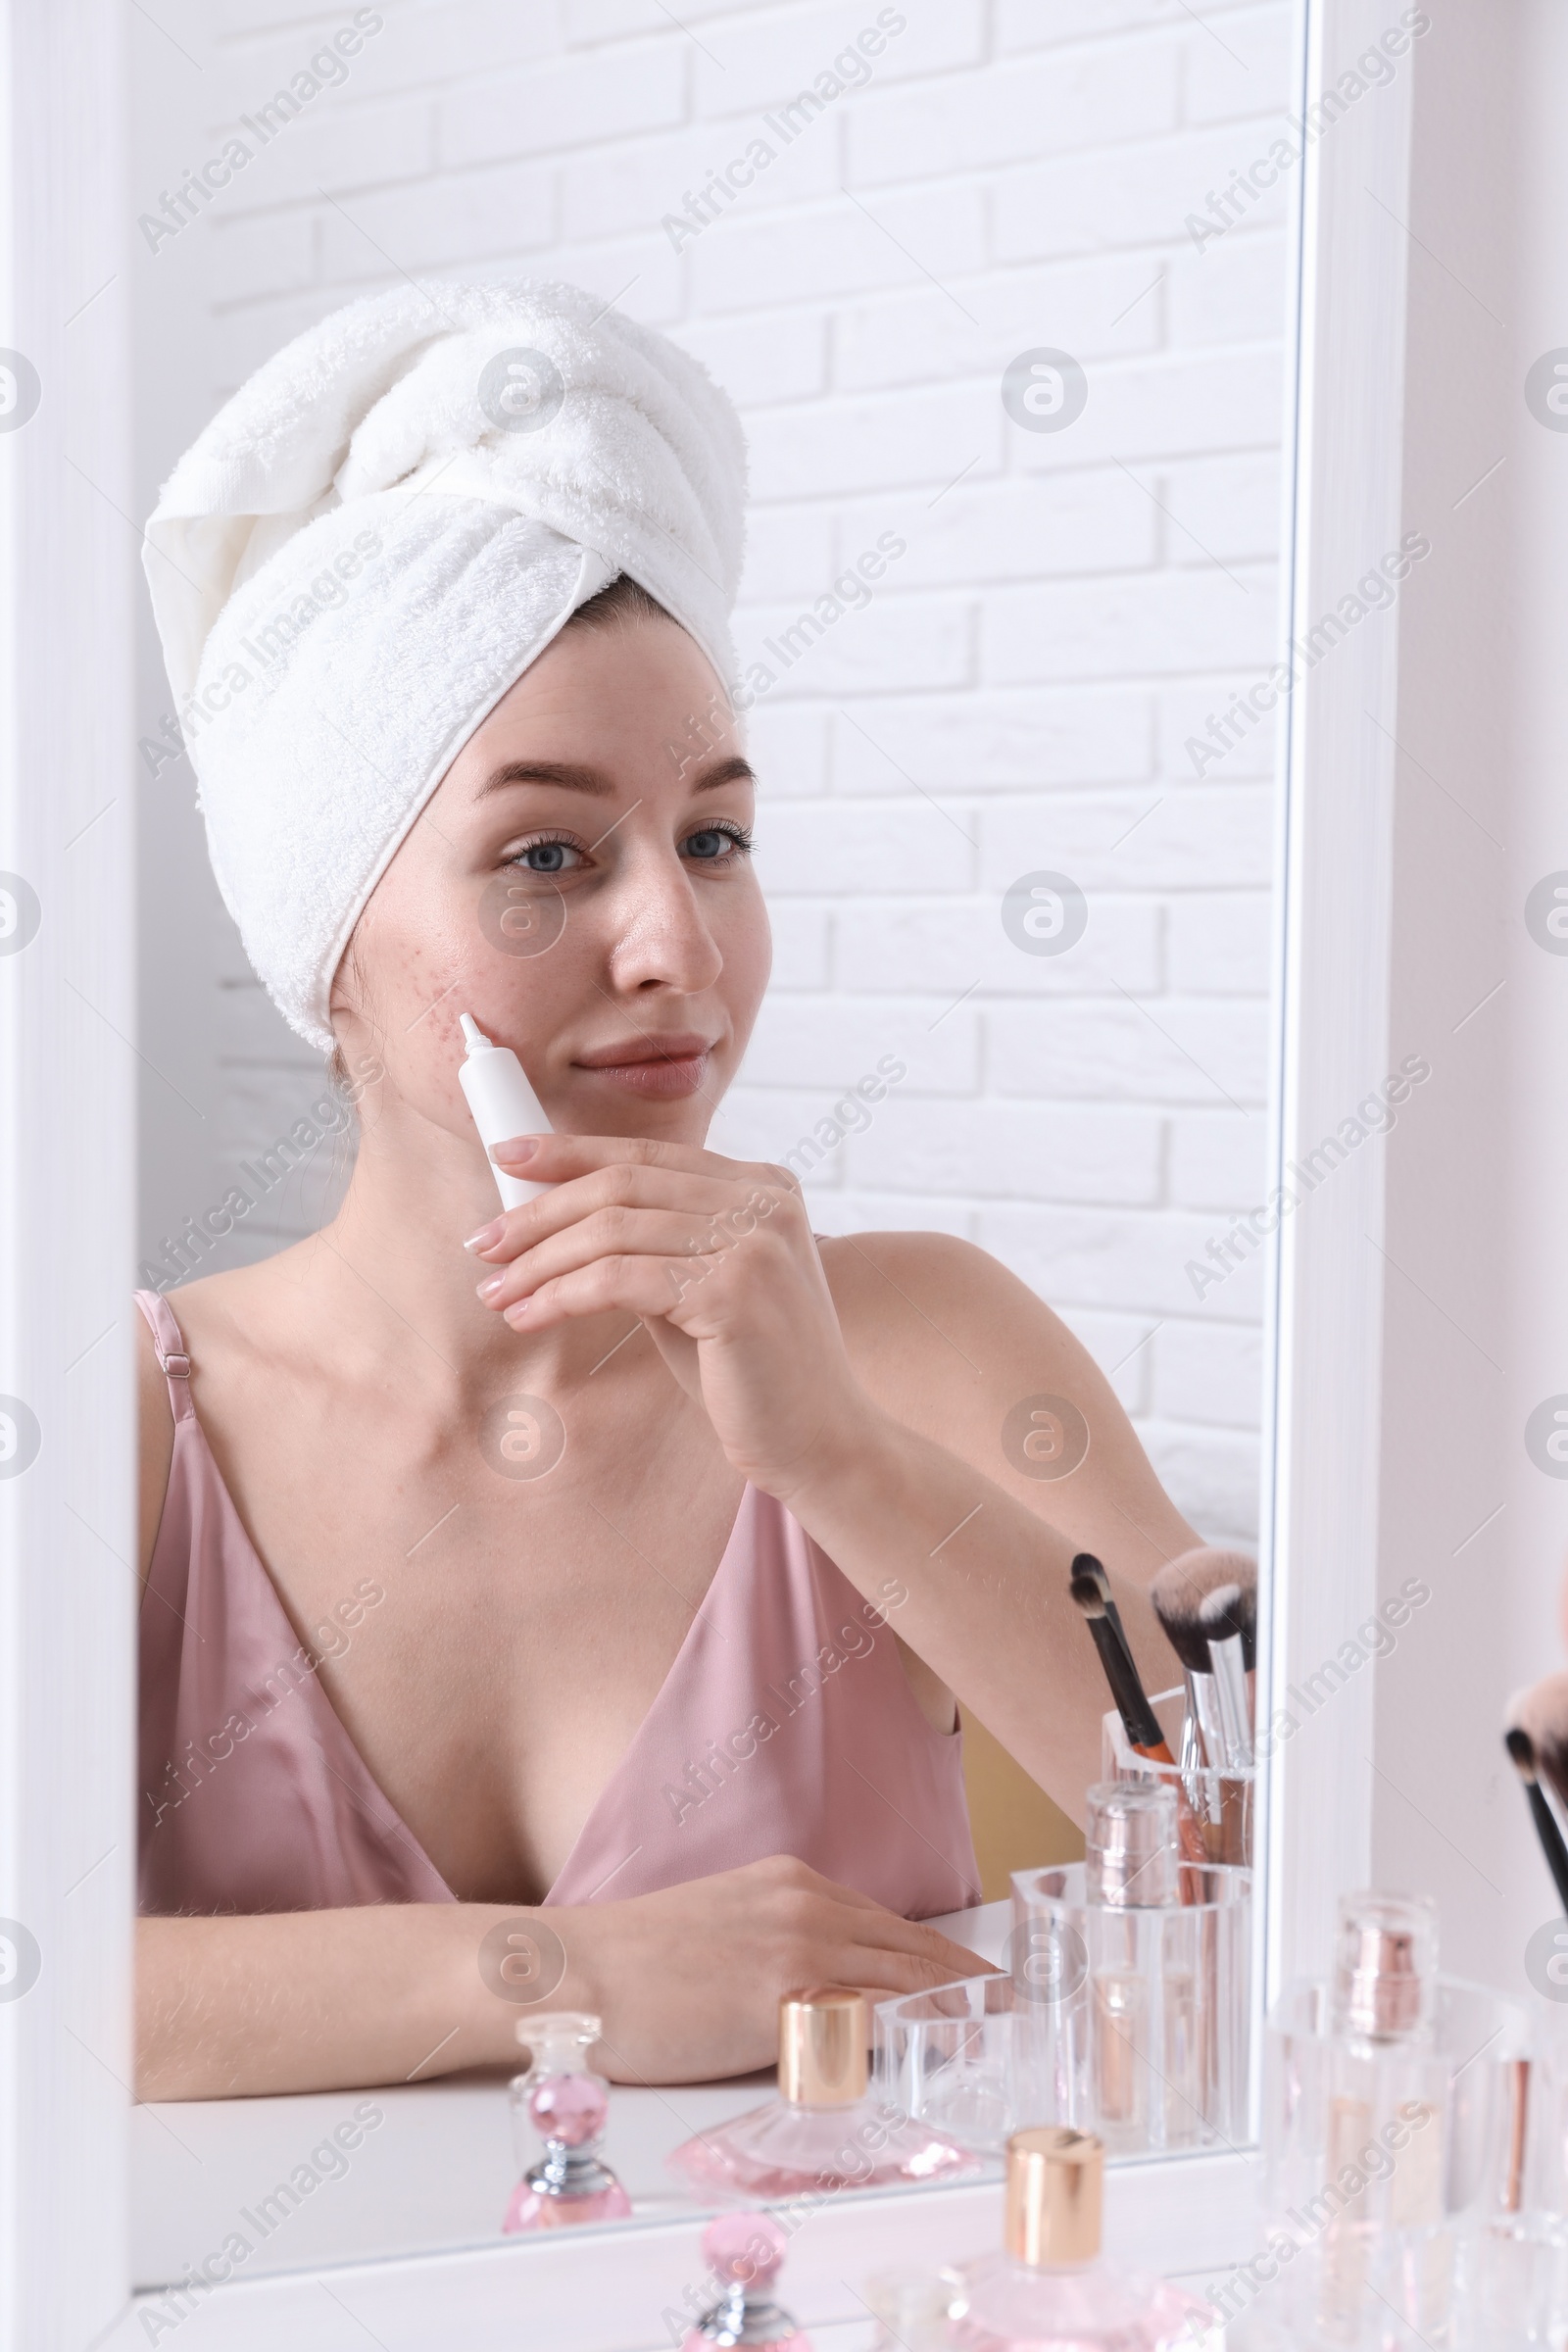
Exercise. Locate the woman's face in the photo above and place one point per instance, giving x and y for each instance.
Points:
(581, 883)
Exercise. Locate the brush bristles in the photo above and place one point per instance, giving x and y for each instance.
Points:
(1086, 1566)
(1222, 1613)
(1087, 1596)
(1183, 1632)
(1183, 1586)
(1537, 1723)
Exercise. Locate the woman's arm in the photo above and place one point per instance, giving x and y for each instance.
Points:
(880, 1405)
(963, 1365)
(687, 1983)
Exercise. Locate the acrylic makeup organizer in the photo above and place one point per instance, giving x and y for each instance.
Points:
(1222, 1802)
(1133, 2022)
(1455, 2239)
(947, 2059)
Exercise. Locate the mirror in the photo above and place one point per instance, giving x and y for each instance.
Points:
(574, 1616)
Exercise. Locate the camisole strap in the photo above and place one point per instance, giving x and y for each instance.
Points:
(170, 1347)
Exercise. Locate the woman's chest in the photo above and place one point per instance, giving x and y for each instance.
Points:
(518, 1630)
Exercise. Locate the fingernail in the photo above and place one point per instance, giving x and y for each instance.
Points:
(485, 1235)
(521, 1147)
(490, 1285)
(515, 1314)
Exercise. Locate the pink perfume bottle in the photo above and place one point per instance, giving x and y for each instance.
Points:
(567, 2107)
(1047, 2290)
(822, 2131)
(744, 2250)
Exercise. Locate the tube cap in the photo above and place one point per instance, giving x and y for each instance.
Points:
(1055, 2180)
(821, 2047)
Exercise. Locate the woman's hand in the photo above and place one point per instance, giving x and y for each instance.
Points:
(716, 1255)
(688, 1981)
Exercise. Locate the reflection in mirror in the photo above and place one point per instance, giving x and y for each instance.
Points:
(699, 1303)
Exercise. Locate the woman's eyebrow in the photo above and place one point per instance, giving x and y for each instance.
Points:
(566, 777)
(734, 770)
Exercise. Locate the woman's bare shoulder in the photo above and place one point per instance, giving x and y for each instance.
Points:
(925, 1290)
(949, 1340)
(210, 1314)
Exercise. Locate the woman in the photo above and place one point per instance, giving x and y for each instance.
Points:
(571, 1602)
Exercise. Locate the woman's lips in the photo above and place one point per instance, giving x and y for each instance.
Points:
(663, 1067)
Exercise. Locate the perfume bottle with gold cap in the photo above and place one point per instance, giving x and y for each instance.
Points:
(823, 2131)
(1047, 2290)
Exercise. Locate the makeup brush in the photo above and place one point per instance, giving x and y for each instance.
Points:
(1177, 1607)
(1179, 1592)
(1536, 1735)
(1229, 1618)
(1139, 1719)
(1086, 1564)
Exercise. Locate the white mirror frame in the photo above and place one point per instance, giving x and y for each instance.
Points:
(68, 580)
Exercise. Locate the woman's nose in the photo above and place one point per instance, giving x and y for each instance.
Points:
(662, 940)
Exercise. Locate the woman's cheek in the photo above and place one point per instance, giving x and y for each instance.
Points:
(746, 943)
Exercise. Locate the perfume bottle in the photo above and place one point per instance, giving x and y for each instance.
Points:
(823, 2131)
(1383, 2004)
(568, 2106)
(1147, 2013)
(744, 2250)
(1049, 2290)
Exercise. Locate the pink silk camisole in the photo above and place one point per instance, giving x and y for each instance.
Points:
(785, 1726)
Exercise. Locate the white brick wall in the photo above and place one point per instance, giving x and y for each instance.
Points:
(1017, 694)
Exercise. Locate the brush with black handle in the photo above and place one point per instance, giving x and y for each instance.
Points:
(1536, 1735)
(1091, 1595)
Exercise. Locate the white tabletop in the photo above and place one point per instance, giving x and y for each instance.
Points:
(403, 2248)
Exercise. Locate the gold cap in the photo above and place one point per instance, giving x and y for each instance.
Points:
(1054, 2181)
(821, 2047)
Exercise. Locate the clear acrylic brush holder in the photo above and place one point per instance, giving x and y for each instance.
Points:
(1133, 2023)
(1419, 2185)
(1221, 1802)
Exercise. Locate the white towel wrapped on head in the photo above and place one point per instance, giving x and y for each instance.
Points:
(372, 540)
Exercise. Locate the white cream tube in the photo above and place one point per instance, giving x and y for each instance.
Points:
(503, 1103)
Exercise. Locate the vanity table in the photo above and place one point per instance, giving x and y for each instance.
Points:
(402, 2248)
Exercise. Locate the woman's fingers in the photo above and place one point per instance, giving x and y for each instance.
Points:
(554, 1159)
(620, 1186)
(677, 1235)
(885, 1975)
(649, 1286)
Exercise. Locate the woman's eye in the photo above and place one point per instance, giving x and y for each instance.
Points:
(548, 857)
(714, 843)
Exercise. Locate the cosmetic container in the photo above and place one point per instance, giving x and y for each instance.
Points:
(1130, 1976)
(502, 1103)
(949, 2058)
(1222, 1802)
(1396, 2149)
(1049, 2289)
(567, 2106)
(744, 2251)
(1511, 2256)
(825, 2130)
